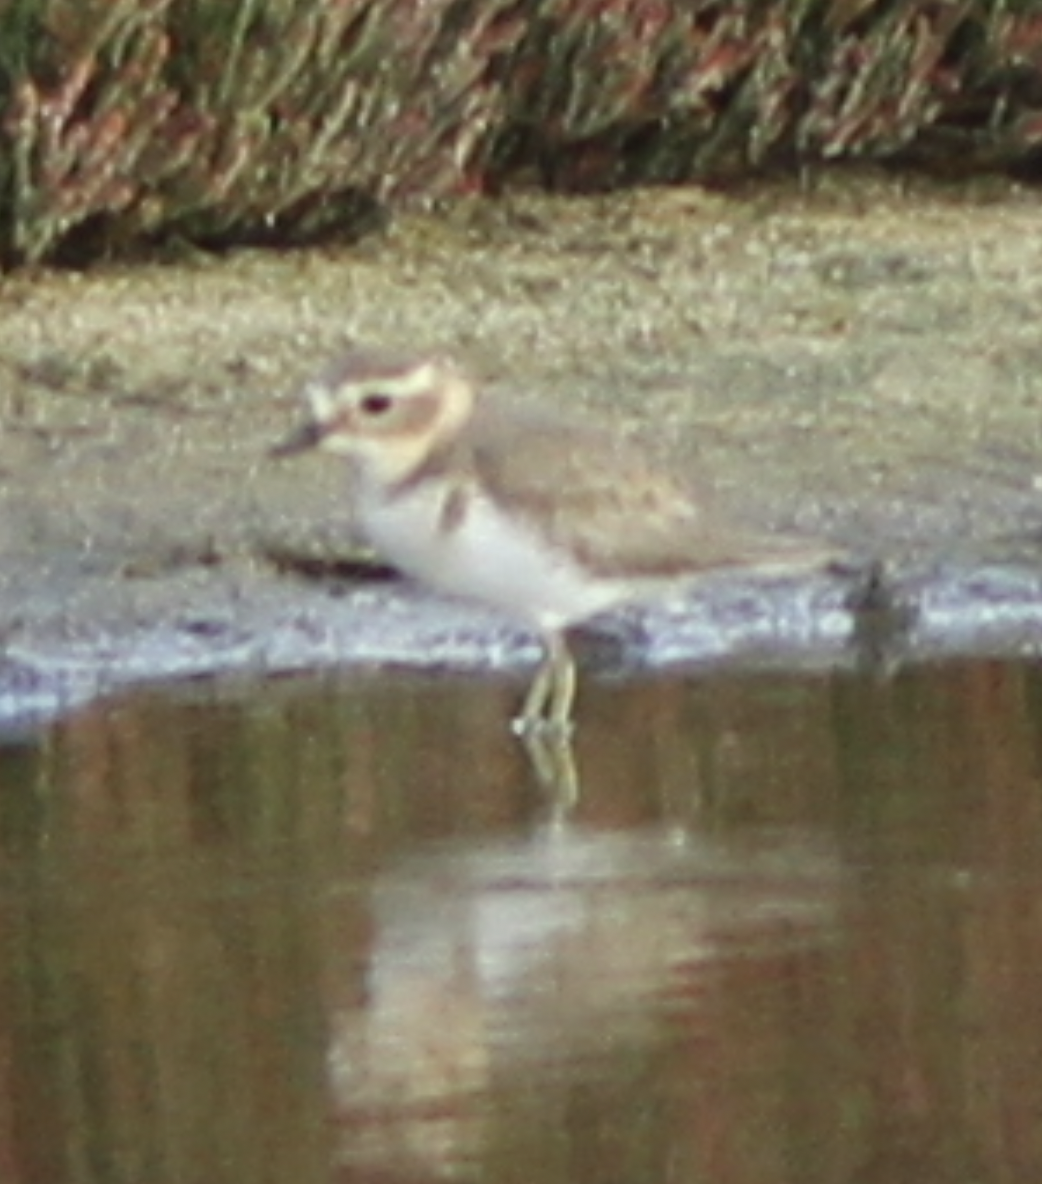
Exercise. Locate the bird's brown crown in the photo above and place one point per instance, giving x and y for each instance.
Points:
(387, 411)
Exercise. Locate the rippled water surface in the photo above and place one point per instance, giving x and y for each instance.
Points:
(344, 929)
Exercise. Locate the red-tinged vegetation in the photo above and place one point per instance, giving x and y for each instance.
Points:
(225, 120)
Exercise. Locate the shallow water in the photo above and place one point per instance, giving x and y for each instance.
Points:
(337, 928)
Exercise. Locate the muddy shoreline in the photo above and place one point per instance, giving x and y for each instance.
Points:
(860, 362)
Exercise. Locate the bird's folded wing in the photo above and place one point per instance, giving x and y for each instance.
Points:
(604, 501)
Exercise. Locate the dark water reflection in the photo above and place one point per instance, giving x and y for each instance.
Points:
(329, 930)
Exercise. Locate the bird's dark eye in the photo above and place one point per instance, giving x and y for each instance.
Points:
(376, 404)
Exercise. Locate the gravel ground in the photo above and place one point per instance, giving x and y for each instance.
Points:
(859, 359)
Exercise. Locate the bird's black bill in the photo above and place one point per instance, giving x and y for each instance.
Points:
(306, 437)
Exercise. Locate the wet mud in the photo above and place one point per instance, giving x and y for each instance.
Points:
(858, 360)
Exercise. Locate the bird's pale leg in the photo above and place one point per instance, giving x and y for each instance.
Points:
(532, 709)
(562, 685)
(548, 703)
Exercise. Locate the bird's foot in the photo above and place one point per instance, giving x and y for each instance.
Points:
(545, 729)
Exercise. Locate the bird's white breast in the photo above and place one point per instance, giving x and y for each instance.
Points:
(476, 549)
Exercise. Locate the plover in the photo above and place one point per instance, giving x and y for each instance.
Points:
(549, 520)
